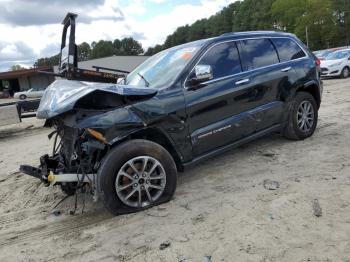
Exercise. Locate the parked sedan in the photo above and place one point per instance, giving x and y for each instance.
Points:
(336, 64)
(31, 93)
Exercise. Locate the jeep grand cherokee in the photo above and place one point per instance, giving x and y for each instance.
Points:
(126, 142)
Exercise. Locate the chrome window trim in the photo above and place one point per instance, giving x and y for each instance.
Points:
(248, 71)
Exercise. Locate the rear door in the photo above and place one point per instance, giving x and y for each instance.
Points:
(270, 80)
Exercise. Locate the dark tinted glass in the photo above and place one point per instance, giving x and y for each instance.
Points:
(287, 49)
(259, 53)
(224, 59)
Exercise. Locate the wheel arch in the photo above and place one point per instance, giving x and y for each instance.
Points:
(313, 89)
(157, 136)
(347, 66)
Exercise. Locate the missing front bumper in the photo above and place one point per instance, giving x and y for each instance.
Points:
(32, 171)
(53, 179)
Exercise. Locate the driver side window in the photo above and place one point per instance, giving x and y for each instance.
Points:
(224, 60)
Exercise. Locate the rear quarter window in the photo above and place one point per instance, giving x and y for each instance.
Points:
(287, 49)
(259, 53)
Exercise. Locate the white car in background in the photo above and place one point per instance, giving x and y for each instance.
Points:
(336, 64)
(31, 93)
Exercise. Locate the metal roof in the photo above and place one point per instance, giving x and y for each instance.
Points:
(23, 72)
(125, 63)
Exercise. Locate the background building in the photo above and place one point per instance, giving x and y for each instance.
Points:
(25, 79)
(21, 80)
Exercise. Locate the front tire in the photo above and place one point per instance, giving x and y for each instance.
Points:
(136, 175)
(303, 117)
(345, 72)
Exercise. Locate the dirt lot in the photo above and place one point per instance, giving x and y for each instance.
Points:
(221, 210)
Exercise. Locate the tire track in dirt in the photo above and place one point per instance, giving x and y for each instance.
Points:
(52, 228)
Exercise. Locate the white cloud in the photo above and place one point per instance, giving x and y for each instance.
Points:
(159, 27)
(43, 39)
(135, 7)
(157, 1)
(15, 53)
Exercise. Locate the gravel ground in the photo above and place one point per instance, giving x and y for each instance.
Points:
(223, 209)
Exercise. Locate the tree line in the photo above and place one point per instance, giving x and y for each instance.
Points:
(126, 46)
(327, 22)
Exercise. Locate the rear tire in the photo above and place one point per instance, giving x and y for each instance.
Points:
(302, 118)
(345, 72)
(134, 166)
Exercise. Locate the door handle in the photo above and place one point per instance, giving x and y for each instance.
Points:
(286, 69)
(243, 81)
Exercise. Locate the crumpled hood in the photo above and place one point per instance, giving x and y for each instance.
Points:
(61, 95)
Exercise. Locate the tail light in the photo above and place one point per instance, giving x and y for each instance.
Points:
(318, 62)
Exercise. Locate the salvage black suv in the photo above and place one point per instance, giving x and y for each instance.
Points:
(126, 142)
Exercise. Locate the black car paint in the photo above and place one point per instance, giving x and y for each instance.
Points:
(218, 115)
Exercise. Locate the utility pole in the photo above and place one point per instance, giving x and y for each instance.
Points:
(307, 36)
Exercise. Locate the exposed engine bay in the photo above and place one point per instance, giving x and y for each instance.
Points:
(84, 117)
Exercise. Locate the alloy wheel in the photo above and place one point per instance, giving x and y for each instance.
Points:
(305, 116)
(140, 181)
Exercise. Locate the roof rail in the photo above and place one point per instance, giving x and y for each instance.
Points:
(247, 32)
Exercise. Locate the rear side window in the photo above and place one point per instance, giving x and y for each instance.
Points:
(287, 49)
(259, 53)
(224, 59)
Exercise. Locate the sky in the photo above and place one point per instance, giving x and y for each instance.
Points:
(31, 29)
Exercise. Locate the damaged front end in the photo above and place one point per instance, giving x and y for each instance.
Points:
(74, 160)
(87, 119)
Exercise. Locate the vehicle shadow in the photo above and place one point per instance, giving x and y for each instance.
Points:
(232, 157)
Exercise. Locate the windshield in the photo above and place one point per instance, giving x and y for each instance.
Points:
(162, 68)
(322, 53)
(337, 55)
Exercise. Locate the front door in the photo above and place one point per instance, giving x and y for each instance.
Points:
(217, 113)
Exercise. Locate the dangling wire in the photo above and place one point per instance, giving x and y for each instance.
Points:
(55, 146)
(61, 201)
(82, 210)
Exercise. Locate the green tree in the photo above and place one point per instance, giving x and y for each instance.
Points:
(117, 45)
(287, 13)
(84, 51)
(47, 61)
(102, 49)
(341, 11)
(131, 47)
(250, 15)
(16, 67)
(313, 18)
(154, 50)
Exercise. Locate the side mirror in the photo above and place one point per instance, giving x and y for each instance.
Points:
(202, 73)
